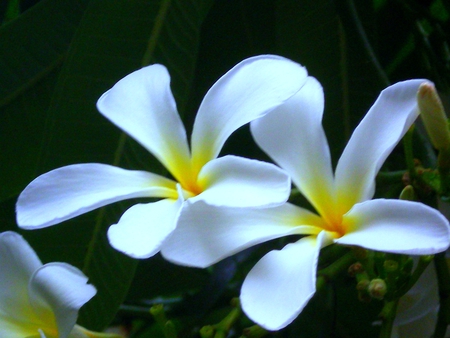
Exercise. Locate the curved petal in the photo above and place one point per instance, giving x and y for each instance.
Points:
(280, 285)
(207, 234)
(240, 182)
(249, 90)
(70, 191)
(373, 140)
(422, 327)
(420, 300)
(142, 105)
(292, 135)
(143, 228)
(18, 262)
(57, 292)
(396, 226)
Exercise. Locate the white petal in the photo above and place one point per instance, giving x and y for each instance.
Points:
(420, 300)
(240, 182)
(142, 229)
(207, 234)
(18, 262)
(396, 226)
(142, 105)
(373, 140)
(417, 310)
(70, 191)
(280, 285)
(59, 289)
(249, 90)
(292, 135)
(423, 327)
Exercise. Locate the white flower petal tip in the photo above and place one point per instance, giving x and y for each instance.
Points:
(239, 182)
(251, 89)
(67, 192)
(142, 105)
(280, 285)
(386, 122)
(62, 288)
(396, 226)
(34, 296)
(143, 228)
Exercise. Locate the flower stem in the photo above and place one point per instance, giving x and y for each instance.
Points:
(331, 271)
(423, 263)
(165, 325)
(388, 177)
(388, 316)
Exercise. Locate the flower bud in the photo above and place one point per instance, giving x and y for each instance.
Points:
(408, 193)
(354, 269)
(362, 285)
(377, 288)
(433, 116)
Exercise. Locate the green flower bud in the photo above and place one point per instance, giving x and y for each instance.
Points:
(362, 285)
(433, 116)
(377, 288)
(408, 194)
(354, 269)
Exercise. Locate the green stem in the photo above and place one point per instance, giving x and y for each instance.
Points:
(207, 331)
(254, 331)
(331, 271)
(227, 323)
(388, 316)
(424, 261)
(385, 177)
(166, 326)
(443, 277)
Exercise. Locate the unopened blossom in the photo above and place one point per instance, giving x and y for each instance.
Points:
(36, 300)
(280, 285)
(142, 105)
(433, 116)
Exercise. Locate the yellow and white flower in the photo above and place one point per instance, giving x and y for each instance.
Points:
(280, 285)
(142, 105)
(36, 300)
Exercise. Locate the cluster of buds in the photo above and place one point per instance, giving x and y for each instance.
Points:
(379, 275)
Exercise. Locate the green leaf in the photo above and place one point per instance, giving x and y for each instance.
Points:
(32, 48)
(35, 43)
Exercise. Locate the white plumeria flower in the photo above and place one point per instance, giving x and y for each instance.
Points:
(280, 285)
(142, 105)
(39, 301)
